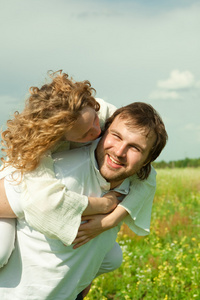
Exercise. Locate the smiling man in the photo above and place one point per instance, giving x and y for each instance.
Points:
(124, 149)
(43, 268)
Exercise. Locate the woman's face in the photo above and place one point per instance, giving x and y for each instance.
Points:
(86, 128)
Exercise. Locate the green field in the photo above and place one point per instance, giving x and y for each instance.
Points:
(166, 264)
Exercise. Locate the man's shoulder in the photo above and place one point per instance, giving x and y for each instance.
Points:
(71, 155)
(72, 159)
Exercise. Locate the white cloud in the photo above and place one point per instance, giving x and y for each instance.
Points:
(162, 94)
(176, 86)
(177, 80)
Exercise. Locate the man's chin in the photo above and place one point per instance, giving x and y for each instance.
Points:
(114, 180)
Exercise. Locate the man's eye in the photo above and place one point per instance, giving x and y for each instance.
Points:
(116, 136)
(135, 148)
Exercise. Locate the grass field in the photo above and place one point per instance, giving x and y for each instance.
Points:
(166, 264)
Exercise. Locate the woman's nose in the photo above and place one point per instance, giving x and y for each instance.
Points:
(96, 131)
(96, 128)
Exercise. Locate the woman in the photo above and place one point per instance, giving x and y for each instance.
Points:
(60, 111)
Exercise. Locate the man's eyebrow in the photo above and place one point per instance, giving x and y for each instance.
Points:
(113, 130)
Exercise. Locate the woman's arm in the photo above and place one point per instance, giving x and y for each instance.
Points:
(5, 208)
(7, 239)
(7, 227)
(101, 205)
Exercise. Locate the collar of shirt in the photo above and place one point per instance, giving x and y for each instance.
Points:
(105, 185)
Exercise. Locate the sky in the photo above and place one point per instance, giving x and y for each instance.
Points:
(130, 50)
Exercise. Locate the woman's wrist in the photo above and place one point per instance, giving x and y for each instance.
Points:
(96, 205)
(101, 205)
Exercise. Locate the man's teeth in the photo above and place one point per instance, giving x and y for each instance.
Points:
(114, 161)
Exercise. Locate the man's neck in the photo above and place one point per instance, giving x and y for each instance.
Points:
(113, 185)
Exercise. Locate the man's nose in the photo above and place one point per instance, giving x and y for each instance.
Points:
(121, 149)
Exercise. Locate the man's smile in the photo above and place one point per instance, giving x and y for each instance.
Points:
(113, 162)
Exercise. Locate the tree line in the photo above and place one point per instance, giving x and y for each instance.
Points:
(184, 163)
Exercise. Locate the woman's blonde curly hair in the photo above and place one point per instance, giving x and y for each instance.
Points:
(50, 111)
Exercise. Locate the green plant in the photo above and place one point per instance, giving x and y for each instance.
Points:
(164, 265)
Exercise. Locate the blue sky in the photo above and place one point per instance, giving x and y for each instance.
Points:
(129, 50)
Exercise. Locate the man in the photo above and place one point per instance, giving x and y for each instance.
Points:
(43, 268)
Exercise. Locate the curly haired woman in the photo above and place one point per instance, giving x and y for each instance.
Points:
(60, 111)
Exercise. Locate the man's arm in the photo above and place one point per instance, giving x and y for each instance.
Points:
(135, 211)
(97, 224)
(5, 208)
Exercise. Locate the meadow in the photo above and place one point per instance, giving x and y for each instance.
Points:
(166, 264)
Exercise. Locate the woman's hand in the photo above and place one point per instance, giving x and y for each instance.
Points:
(110, 201)
(93, 226)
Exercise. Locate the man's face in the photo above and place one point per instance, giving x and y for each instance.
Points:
(123, 151)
